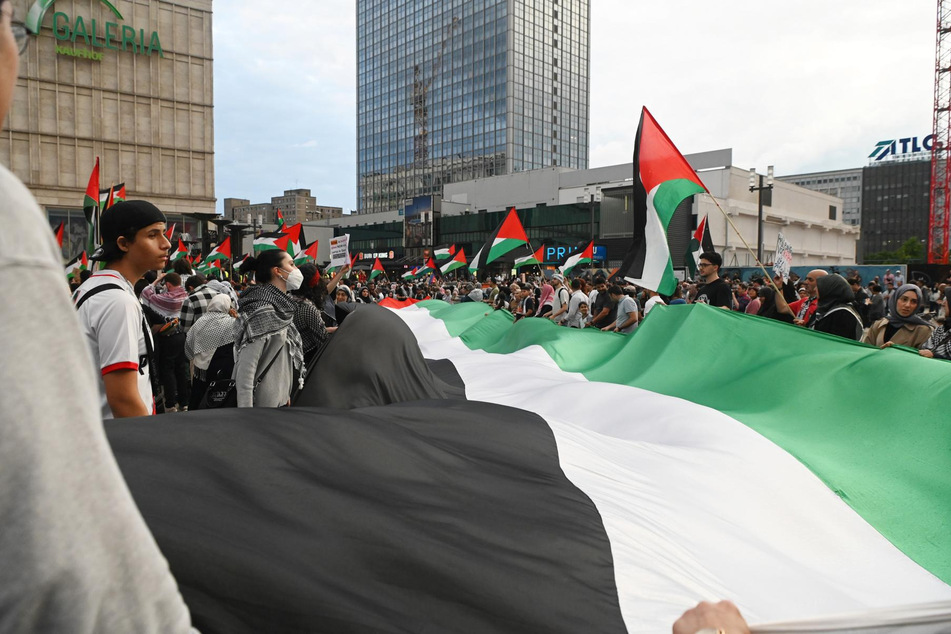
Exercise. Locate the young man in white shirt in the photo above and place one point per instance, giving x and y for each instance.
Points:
(134, 242)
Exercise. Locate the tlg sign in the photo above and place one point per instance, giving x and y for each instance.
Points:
(908, 145)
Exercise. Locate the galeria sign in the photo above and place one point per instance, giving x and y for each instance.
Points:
(108, 35)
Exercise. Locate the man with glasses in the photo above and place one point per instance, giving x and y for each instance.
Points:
(77, 556)
(713, 291)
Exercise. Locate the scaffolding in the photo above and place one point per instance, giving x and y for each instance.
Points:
(940, 219)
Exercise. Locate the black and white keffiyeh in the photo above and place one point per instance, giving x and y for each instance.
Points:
(265, 310)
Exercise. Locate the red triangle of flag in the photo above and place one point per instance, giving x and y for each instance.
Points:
(511, 228)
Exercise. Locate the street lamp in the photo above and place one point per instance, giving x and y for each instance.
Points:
(759, 188)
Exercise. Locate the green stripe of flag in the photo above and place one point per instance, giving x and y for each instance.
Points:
(871, 424)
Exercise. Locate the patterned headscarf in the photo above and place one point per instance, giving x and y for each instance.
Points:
(265, 310)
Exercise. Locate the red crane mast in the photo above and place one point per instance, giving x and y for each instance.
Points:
(940, 220)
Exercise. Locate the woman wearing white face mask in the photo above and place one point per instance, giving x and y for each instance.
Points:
(269, 355)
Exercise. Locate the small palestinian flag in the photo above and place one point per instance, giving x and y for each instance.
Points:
(280, 220)
(429, 267)
(582, 257)
(307, 255)
(179, 253)
(273, 240)
(80, 262)
(408, 275)
(662, 180)
(457, 262)
(112, 195)
(296, 234)
(91, 199)
(701, 242)
(170, 232)
(532, 259)
(220, 252)
(509, 236)
(476, 263)
(91, 207)
(59, 234)
(377, 269)
(444, 252)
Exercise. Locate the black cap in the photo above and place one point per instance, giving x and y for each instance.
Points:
(124, 219)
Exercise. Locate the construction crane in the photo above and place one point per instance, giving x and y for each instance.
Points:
(940, 220)
(421, 88)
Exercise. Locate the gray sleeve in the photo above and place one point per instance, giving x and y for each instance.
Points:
(245, 370)
(77, 555)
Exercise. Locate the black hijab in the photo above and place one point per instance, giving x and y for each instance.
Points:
(834, 291)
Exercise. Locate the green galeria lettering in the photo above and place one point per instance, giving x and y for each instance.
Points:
(115, 36)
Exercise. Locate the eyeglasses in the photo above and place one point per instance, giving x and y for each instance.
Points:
(703, 265)
(21, 35)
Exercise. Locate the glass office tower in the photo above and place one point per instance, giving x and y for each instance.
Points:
(453, 90)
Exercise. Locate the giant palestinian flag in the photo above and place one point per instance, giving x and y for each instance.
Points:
(662, 180)
(701, 242)
(450, 471)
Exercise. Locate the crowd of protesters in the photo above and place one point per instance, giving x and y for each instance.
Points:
(263, 328)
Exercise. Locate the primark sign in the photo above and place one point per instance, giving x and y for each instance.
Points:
(895, 148)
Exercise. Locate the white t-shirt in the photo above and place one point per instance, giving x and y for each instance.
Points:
(650, 303)
(111, 321)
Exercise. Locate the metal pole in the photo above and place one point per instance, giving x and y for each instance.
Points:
(759, 228)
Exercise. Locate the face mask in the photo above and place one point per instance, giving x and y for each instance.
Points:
(294, 280)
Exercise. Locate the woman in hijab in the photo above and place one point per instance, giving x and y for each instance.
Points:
(269, 350)
(938, 345)
(210, 345)
(545, 300)
(901, 327)
(768, 307)
(835, 313)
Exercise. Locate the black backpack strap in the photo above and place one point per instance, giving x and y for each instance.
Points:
(96, 291)
(146, 333)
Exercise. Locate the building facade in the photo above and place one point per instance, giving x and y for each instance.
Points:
(295, 205)
(452, 91)
(844, 184)
(129, 82)
(896, 206)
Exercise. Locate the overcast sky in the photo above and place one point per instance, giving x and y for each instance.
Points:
(804, 85)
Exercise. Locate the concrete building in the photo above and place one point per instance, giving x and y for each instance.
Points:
(563, 208)
(844, 184)
(296, 205)
(452, 91)
(130, 83)
(811, 221)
